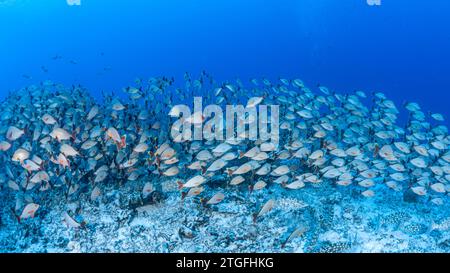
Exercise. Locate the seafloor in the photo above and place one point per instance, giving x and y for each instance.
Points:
(332, 220)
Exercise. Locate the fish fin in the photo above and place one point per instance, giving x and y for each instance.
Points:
(433, 226)
(15, 215)
(183, 195)
(123, 141)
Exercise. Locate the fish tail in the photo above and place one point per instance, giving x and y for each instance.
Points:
(180, 185)
(15, 215)
(433, 226)
(183, 195)
(255, 217)
(42, 166)
(123, 141)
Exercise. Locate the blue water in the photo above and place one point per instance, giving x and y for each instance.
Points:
(400, 48)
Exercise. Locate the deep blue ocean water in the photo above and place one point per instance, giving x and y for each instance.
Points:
(400, 48)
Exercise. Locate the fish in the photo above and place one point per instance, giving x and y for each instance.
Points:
(253, 102)
(243, 169)
(39, 177)
(237, 180)
(281, 170)
(216, 199)
(48, 119)
(172, 171)
(368, 193)
(20, 155)
(148, 189)
(204, 155)
(196, 165)
(259, 185)
(63, 161)
(193, 182)
(264, 169)
(29, 211)
(88, 144)
(296, 233)
(221, 148)
(113, 134)
(141, 148)
(194, 191)
(14, 133)
(298, 184)
(60, 134)
(70, 222)
(30, 165)
(95, 194)
(217, 165)
(92, 113)
(4, 146)
(438, 187)
(68, 150)
(268, 206)
(419, 190)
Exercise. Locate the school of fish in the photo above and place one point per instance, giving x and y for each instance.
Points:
(60, 139)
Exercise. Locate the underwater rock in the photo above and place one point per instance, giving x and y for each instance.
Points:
(339, 247)
(394, 219)
(154, 197)
(331, 236)
(410, 197)
(186, 232)
(414, 228)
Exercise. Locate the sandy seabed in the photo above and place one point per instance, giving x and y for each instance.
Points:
(333, 219)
